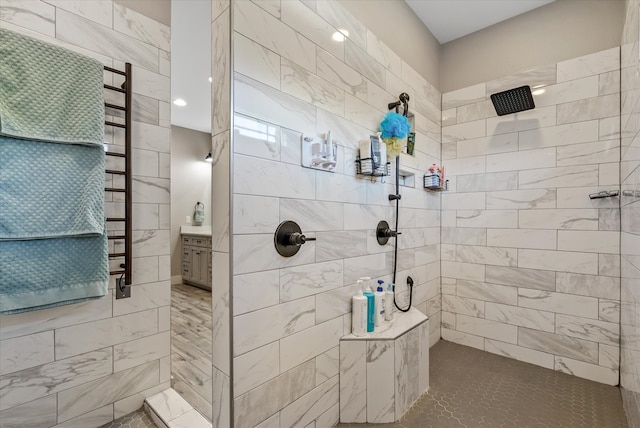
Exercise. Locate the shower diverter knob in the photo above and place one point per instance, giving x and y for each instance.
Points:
(289, 238)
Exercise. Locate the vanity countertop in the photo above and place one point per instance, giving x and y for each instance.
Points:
(195, 230)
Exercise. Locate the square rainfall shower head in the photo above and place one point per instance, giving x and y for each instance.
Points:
(513, 100)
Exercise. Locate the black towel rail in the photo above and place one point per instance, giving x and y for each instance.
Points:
(125, 89)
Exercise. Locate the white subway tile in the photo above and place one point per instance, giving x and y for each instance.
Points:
(568, 91)
(464, 131)
(312, 216)
(518, 277)
(584, 370)
(558, 302)
(462, 305)
(492, 144)
(581, 219)
(255, 291)
(255, 214)
(273, 34)
(263, 326)
(308, 280)
(593, 108)
(522, 160)
(588, 329)
(564, 261)
(522, 317)
(589, 153)
(522, 238)
(561, 135)
(461, 338)
(486, 182)
(25, 352)
(487, 255)
(592, 242)
(258, 100)
(256, 61)
(468, 271)
(140, 351)
(539, 76)
(519, 353)
(463, 201)
(136, 25)
(487, 218)
(305, 85)
(383, 54)
(256, 367)
(558, 344)
(78, 339)
(588, 285)
(464, 96)
(260, 177)
(487, 328)
(530, 119)
(309, 343)
(487, 292)
(587, 65)
(568, 176)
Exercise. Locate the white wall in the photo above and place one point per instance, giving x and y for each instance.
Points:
(552, 33)
(289, 313)
(530, 264)
(191, 183)
(88, 363)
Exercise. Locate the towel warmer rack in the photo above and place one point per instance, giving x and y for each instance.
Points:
(125, 88)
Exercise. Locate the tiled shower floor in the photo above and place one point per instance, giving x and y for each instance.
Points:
(137, 419)
(475, 389)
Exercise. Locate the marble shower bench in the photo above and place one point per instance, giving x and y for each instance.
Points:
(383, 373)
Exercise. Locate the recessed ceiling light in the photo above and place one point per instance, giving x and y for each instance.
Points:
(180, 102)
(340, 35)
(210, 79)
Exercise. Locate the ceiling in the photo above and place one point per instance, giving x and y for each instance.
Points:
(191, 44)
(450, 19)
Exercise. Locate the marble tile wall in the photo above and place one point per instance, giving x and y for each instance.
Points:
(88, 363)
(530, 264)
(630, 214)
(291, 79)
(221, 192)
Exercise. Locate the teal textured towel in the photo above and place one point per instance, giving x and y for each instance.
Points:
(50, 190)
(49, 93)
(45, 273)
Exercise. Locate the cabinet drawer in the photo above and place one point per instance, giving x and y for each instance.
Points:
(199, 241)
(209, 255)
(186, 240)
(186, 271)
(186, 255)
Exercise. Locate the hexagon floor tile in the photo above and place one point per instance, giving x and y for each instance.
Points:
(470, 388)
(137, 419)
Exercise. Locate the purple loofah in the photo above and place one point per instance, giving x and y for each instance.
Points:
(394, 125)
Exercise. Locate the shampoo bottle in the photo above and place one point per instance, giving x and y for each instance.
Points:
(379, 299)
(371, 305)
(388, 303)
(359, 314)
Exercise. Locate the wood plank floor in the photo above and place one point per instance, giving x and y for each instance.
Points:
(191, 346)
